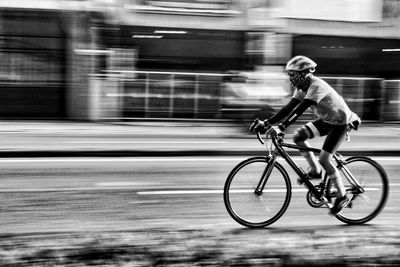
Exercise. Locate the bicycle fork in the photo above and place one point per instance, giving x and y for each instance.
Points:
(265, 175)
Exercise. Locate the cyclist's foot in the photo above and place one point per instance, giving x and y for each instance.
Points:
(312, 176)
(340, 204)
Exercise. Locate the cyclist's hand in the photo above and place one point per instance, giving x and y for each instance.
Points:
(259, 126)
(254, 126)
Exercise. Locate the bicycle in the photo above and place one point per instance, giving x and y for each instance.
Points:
(258, 190)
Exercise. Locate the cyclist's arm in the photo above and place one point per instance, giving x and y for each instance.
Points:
(296, 113)
(285, 111)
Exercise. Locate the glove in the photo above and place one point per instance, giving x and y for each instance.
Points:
(259, 126)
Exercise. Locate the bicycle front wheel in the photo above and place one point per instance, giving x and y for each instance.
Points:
(370, 196)
(257, 209)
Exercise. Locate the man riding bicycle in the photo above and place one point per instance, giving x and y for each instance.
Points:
(335, 119)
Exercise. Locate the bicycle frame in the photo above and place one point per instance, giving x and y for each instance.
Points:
(279, 144)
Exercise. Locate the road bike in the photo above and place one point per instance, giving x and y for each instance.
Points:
(258, 190)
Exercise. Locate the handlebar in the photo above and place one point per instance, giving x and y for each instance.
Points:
(274, 137)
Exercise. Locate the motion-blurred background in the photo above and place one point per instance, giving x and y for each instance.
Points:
(176, 81)
(102, 60)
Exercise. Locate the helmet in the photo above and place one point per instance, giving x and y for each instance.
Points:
(300, 63)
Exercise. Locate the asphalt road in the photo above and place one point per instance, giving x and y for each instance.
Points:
(169, 211)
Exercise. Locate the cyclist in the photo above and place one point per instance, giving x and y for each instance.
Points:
(334, 122)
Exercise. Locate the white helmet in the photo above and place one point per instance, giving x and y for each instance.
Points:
(300, 63)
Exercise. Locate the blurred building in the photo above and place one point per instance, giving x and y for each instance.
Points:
(116, 59)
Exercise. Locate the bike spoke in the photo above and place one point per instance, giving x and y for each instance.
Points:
(265, 206)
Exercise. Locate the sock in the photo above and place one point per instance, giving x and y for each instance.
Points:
(337, 181)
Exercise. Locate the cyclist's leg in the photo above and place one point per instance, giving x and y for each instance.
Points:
(333, 140)
(301, 135)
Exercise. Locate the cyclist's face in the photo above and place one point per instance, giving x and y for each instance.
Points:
(297, 78)
(294, 77)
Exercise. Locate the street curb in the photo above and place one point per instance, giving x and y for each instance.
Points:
(176, 153)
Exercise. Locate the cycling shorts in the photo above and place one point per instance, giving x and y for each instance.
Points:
(335, 134)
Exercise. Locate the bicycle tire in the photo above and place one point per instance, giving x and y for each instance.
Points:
(365, 206)
(248, 208)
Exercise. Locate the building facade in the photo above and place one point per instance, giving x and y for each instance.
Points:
(60, 58)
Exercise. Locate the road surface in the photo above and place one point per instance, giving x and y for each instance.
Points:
(169, 211)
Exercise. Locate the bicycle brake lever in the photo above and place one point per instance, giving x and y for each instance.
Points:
(260, 138)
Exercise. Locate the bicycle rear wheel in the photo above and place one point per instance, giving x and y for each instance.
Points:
(250, 208)
(368, 202)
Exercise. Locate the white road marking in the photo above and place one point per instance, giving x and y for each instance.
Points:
(55, 189)
(218, 191)
(142, 142)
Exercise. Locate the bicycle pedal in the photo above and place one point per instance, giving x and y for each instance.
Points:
(328, 203)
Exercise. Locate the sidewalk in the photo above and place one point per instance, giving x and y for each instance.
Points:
(69, 138)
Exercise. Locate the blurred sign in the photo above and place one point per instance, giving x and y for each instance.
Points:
(45, 4)
(337, 10)
(60, 4)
